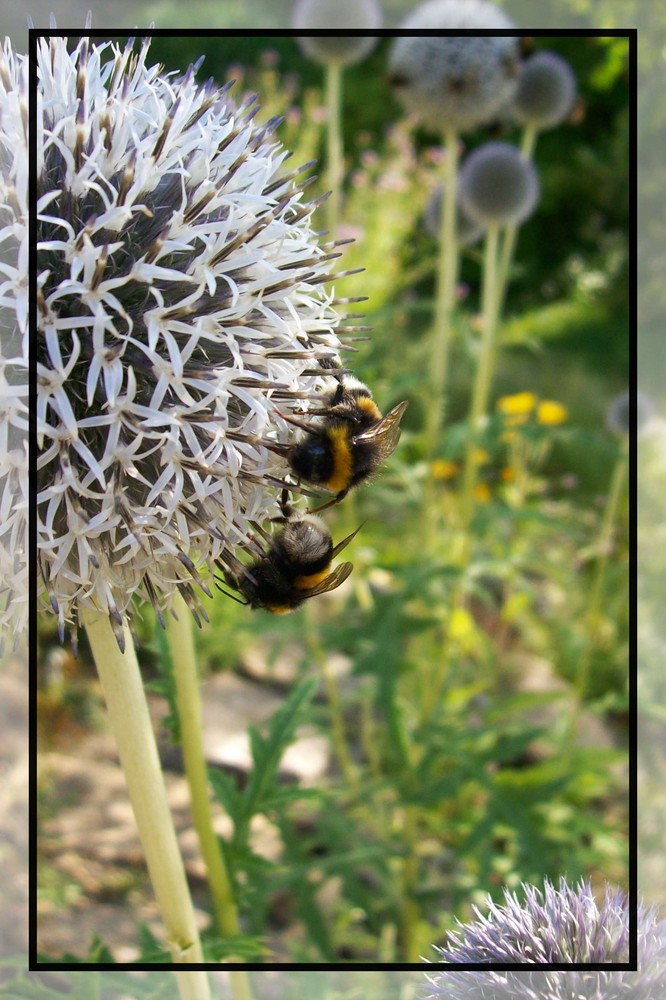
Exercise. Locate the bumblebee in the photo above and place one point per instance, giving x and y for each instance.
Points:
(295, 567)
(350, 442)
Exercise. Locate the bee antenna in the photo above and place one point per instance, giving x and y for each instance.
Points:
(295, 423)
(232, 596)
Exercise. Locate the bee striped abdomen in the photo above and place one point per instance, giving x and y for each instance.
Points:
(341, 459)
(310, 580)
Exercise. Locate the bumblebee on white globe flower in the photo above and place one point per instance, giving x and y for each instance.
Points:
(182, 310)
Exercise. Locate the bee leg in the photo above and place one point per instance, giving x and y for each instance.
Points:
(329, 503)
(259, 531)
(286, 509)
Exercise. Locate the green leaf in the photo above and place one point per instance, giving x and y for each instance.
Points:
(226, 792)
(259, 794)
(248, 947)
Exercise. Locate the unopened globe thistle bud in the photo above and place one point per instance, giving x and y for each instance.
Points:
(454, 82)
(14, 494)
(468, 230)
(181, 310)
(345, 15)
(618, 414)
(497, 185)
(546, 91)
(563, 925)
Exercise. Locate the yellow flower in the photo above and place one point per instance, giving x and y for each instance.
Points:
(520, 404)
(441, 469)
(551, 413)
(508, 475)
(480, 456)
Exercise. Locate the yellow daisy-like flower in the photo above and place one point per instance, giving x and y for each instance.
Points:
(520, 404)
(443, 469)
(507, 475)
(550, 413)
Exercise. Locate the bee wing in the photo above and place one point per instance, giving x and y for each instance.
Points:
(345, 541)
(386, 432)
(333, 580)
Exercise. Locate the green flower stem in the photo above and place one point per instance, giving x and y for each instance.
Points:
(604, 540)
(188, 698)
(338, 735)
(484, 372)
(121, 682)
(335, 160)
(511, 232)
(447, 270)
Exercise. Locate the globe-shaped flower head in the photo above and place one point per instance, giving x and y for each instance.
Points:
(557, 925)
(343, 15)
(546, 91)
(181, 310)
(497, 185)
(455, 82)
(621, 407)
(13, 345)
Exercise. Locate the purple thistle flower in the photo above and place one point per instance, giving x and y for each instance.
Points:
(564, 925)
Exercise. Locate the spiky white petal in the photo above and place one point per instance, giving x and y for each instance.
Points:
(13, 344)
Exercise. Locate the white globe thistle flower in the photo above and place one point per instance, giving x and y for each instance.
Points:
(453, 82)
(468, 230)
(497, 185)
(13, 345)
(343, 15)
(546, 91)
(563, 925)
(181, 307)
(618, 414)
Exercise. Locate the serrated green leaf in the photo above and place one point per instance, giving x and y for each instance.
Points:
(226, 792)
(268, 751)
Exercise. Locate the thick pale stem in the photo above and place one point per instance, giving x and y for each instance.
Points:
(124, 693)
(335, 149)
